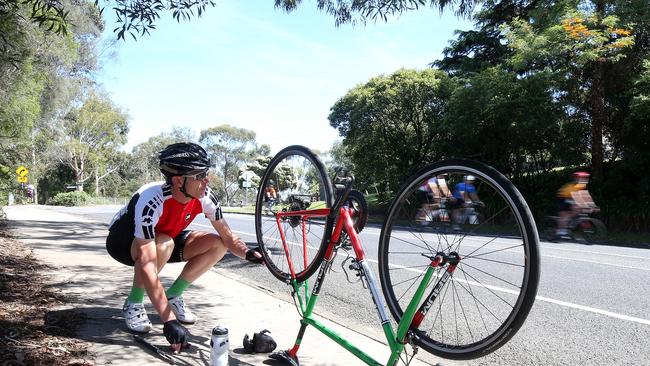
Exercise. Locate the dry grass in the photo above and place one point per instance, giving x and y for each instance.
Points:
(29, 333)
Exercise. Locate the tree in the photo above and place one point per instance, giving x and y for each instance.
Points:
(144, 161)
(360, 11)
(579, 47)
(391, 124)
(42, 73)
(478, 49)
(511, 123)
(137, 18)
(257, 167)
(229, 147)
(89, 132)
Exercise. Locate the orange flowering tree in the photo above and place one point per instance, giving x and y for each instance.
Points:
(578, 48)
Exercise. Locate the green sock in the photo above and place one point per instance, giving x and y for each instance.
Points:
(136, 295)
(177, 288)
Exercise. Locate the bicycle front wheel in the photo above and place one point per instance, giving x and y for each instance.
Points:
(493, 286)
(299, 181)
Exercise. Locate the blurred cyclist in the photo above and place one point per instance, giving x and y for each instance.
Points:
(270, 194)
(465, 196)
(437, 194)
(571, 199)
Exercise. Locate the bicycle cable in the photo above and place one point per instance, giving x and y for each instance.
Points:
(293, 296)
(353, 266)
(405, 359)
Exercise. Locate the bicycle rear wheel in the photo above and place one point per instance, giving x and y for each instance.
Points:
(494, 285)
(357, 201)
(301, 183)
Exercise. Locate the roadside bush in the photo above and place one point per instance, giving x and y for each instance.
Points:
(624, 197)
(71, 199)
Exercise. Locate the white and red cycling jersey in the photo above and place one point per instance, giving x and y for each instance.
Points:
(152, 210)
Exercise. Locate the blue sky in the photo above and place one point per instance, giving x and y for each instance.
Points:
(251, 66)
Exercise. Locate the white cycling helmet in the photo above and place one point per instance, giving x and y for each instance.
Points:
(470, 177)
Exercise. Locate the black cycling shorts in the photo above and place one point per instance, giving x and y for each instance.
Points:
(563, 204)
(118, 245)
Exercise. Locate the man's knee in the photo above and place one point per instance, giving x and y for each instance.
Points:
(164, 244)
(205, 245)
(216, 248)
(164, 249)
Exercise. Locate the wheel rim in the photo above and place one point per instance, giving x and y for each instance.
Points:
(300, 185)
(481, 302)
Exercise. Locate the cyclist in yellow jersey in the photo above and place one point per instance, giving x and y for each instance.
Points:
(572, 198)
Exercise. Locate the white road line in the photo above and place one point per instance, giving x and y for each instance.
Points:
(540, 298)
(594, 310)
(592, 252)
(596, 262)
(546, 299)
(468, 239)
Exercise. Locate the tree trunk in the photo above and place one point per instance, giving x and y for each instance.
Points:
(598, 120)
(96, 183)
(34, 179)
(80, 177)
(598, 114)
(225, 180)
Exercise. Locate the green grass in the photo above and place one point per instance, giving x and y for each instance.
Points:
(633, 239)
(241, 210)
(94, 200)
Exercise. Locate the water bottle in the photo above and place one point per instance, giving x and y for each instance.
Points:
(219, 346)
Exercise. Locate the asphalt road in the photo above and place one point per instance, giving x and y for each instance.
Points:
(591, 308)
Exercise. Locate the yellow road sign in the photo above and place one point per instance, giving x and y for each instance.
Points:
(22, 179)
(22, 171)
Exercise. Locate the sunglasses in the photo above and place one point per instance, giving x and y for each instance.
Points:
(200, 176)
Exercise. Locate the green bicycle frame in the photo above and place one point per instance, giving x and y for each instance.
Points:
(413, 315)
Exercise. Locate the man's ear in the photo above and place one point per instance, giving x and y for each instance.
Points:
(177, 180)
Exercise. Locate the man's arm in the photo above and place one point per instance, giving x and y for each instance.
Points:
(230, 239)
(146, 271)
(583, 199)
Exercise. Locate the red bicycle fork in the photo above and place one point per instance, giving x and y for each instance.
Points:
(439, 260)
(344, 220)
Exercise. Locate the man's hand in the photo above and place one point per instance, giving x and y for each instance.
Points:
(176, 335)
(254, 255)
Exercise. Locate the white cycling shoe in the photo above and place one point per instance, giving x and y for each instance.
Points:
(183, 314)
(135, 316)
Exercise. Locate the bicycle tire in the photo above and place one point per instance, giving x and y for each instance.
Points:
(592, 230)
(302, 184)
(499, 295)
(358, 201)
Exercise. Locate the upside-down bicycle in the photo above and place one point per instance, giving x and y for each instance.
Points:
(458, 294)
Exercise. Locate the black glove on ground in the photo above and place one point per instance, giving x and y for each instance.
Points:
(261, 343)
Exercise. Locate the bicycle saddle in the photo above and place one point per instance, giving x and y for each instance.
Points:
(285, 357)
